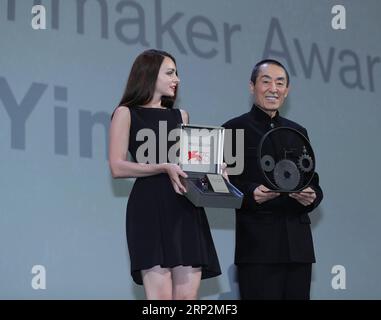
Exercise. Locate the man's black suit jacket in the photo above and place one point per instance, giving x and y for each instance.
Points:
(277, 231)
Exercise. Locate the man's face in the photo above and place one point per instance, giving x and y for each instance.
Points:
(270, 88)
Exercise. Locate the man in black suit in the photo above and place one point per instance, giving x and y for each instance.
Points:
(274, 249)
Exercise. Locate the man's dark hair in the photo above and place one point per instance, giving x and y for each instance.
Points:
(257, 67)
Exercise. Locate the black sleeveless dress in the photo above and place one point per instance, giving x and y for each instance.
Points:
(163, 227)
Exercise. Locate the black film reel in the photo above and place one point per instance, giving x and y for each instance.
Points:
(286, 159)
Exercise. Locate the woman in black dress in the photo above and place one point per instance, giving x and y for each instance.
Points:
(169, 240)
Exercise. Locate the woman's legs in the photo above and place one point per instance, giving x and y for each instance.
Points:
(157, 283)
(179, 283)
(185, 282)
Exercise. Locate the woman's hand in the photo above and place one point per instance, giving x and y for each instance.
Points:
(224, 168)
(174, 172)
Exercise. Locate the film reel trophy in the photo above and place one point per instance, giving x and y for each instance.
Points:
(286, 160)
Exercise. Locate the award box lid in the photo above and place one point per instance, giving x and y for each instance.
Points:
(201, 148)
